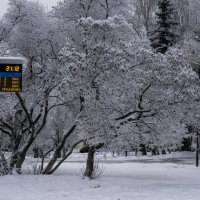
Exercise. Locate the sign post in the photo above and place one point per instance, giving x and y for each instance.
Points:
(11, 74)
(197, 150)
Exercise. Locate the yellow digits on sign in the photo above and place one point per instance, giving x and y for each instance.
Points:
(12, 68)
(17, 68)
(7, 68)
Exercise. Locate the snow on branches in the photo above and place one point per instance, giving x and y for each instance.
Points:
(122, 85)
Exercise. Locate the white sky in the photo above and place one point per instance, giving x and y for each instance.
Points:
(47, 3)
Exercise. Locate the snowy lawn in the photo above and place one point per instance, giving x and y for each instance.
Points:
(120, 181)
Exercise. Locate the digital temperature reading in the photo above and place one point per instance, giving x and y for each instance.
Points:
(10, 75)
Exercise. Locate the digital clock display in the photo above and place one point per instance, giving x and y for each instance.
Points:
(10, 77)
(15, 68)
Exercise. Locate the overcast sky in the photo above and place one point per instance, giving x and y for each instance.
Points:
(4, 4)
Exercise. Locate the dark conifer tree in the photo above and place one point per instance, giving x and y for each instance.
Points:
(163, 36)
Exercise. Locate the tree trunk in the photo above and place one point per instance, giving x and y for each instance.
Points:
(155, 151)
(53, 160)
(36, 152)
(16, 161)
(19, 163)
(90, 159)
(54, 168)
(136, 151)
(18, 157)
(197, 151)
(64, 152)
(186, 144)
(113, 153)
(58, 151)
(4, 169)
(143, 149)
(163, 152)
(126, 153)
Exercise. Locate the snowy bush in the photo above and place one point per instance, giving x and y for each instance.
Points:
(34, 168)
(98, 170)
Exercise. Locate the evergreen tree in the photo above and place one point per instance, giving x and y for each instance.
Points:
(164, 36)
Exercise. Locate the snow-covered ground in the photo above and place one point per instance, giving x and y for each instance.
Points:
(121, 181)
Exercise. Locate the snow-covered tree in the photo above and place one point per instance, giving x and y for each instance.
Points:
(144, 13)
(125, 88)
(90, 74)
(26, 115)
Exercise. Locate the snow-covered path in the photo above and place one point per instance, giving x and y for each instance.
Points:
(121, 181)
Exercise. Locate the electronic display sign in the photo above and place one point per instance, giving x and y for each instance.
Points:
(10, 74)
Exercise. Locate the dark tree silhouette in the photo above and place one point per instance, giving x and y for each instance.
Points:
(163, 36)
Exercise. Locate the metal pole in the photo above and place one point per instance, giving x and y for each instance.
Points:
(197, 151)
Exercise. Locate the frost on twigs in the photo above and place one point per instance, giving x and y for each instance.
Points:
(98, 170)
(34, 168)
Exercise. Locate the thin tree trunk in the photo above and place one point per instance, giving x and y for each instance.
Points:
(136, 151)
(126, 153)
(197, 151)
(43, 157)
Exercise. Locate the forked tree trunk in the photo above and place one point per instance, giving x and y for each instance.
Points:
(90, 159)
(58, 151)
(53, 160)
(55, 167)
